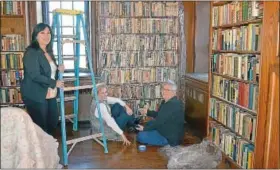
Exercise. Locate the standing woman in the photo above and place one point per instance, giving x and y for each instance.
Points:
(39, 86)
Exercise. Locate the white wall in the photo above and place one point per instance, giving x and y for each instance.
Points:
(202, 36)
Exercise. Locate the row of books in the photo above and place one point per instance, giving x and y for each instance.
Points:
(130, 9)
(244, 67)
(138, 42)
(236, 12)
(135, 75)
(236, 119)
(240, 93)
(165, 9)
(242, 38)
(133, 91)
(138, 59)
(12, 42)
(12, 7)
(11, 78)
(11, 61)
(238, 149)
(139, 25)
(10, 96)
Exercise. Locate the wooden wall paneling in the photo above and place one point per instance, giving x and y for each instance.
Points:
(268, 57)
(197, 105)
(189, 13)
(271, 155)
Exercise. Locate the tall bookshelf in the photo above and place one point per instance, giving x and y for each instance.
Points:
(243, 48)
(235, 49)
(138, 49)
(13, 40)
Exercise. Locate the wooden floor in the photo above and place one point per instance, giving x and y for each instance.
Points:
(90, 154)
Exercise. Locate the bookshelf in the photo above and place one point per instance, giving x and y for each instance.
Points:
(234, 76)
(13, 41)
(138, 46)
(240, 61)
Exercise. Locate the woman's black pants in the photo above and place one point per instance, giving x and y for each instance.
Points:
(44, 114)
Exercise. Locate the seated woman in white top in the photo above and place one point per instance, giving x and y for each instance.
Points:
(115, 118)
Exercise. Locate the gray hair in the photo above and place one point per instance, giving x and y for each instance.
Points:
(100, 86)
(172, 84)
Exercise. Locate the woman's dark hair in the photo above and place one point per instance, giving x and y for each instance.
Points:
(34, 43)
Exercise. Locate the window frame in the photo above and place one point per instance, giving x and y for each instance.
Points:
(46, 19)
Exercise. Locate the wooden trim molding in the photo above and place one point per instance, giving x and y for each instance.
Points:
(271, 149)
(268, 58)
(32, 16)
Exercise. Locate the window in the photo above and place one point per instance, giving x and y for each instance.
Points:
(68, 28)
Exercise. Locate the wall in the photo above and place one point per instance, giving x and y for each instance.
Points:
(202, 37)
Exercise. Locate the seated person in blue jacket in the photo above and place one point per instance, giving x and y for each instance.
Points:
(167, 127)
(115, 118)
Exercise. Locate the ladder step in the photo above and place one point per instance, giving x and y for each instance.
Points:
(68, 58)
(83, 138)
(69, 79)
(68, 11)
(67, 98)
(77, 87)
(73, 41)
(68, 36)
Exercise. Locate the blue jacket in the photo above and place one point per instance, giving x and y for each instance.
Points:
(168, 121)
(37, 75)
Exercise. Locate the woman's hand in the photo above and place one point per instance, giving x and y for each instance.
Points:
(125, 140)
(59, 84)
(61, 68)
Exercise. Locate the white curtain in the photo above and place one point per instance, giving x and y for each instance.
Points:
(24, 144)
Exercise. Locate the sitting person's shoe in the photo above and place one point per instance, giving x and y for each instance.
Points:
(133, 129)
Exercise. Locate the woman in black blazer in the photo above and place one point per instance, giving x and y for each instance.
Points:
(39, 86)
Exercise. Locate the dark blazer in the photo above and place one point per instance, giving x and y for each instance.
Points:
(37, 75)
(168, 121)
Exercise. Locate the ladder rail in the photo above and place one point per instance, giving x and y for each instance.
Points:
(89, 56)
(80, 21)
(77, 72)
(56, 24)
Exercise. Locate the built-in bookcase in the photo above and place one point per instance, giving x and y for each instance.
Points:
(138, 45)
(235, 50)
(13, 43)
